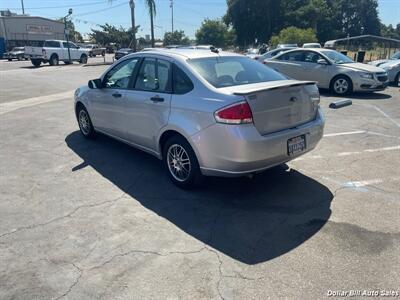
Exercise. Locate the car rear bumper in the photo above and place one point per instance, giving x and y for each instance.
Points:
(237, 150)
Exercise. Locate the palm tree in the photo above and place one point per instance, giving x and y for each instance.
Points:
(151, 6)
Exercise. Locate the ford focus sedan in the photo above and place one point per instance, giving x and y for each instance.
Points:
(202, 112)
(331, 70)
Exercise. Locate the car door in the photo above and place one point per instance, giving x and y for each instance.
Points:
(148, 103)
(315, 71)
(75, 53)
(289, 64)
(108, 102)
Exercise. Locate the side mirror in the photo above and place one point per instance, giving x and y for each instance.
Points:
(95, 84)
(322, 62)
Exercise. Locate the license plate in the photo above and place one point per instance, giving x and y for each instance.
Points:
(296, 145)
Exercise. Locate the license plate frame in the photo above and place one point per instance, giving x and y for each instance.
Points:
(296, 145)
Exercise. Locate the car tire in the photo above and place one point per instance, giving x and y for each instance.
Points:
(103, 53)
(84, 122)
(36, 62)
(10, 59)
(53, 60)
(180, 163)
(397, 80)
(341, 85)
(83, 59)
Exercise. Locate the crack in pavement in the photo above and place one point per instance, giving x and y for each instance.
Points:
(76, 281)
(61, 217)
(70, 214)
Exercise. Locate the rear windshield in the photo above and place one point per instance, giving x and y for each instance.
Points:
(235, 70)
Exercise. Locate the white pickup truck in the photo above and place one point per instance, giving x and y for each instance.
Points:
(54, 51)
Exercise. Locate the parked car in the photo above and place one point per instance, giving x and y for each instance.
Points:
(94, 50)
(122, 52)
(15, 53)
(379, 62)
(54, 51)
(330, 69)
(273, 53)
(287, 46)
(392, 67)
(202, 113)
(312, 45)
(197, 47)
(252, 53)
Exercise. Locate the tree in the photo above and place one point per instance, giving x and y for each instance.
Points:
(151, 5)
(254, 19)
(111, 34)
(176, 38)
(294, 35)
(390, 31)
(214, 32)
(73, 36)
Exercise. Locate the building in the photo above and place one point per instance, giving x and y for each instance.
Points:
(24, 30)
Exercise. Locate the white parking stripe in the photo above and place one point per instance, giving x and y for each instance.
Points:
(341, 154)
(369, 151)
(386, 115)
(345, 133)
(11, 106)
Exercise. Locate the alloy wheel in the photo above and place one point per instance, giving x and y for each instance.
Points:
(84, 122)
(341, 86)
(178, 162)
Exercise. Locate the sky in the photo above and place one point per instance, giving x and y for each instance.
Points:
(188, 14)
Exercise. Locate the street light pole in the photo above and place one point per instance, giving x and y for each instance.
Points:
(172, 15)
(66, 31)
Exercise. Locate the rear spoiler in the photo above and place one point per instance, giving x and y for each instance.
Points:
(273, 86)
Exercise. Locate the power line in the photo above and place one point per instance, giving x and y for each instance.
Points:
(60, 6)
(100, 10)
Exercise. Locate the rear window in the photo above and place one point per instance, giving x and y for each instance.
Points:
(228, 71)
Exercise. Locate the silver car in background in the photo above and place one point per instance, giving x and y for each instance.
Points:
(202, 112)
(392, 67)
(330, 69)
(273, 53)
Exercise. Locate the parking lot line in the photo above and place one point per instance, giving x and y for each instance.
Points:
(14, 105)
(345, 133)
(386, 115)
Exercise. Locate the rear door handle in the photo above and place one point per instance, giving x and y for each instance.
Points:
(157, 99)
(117, 95)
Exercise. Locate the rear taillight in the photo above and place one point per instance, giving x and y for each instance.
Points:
(238, 113)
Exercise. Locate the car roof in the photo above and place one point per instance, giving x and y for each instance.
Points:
(183, 53)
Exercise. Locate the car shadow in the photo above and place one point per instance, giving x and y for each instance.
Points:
(250, 220)
(359, 96)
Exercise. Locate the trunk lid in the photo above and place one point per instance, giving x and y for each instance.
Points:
(279, 105)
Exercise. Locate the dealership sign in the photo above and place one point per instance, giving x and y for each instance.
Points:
(39, 29)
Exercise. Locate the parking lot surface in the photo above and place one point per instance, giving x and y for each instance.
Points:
(97, 219)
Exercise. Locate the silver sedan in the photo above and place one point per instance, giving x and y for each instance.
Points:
(202, 112)
(330, 69)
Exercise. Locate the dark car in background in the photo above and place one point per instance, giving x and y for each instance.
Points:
(122, 52)
(15, 53)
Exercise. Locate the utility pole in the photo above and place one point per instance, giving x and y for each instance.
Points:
(172, 14)
(23, 8)
(66, 31)
(132, 5)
